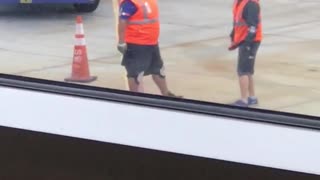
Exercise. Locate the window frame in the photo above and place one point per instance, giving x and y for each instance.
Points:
(158, 101)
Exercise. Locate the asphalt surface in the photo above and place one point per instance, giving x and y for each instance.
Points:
(37, 41)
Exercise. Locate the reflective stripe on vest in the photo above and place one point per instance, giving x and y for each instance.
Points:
(145, 19)
(240, 24)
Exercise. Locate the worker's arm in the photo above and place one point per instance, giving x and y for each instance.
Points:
(232, 34)
(126, 10)
(251, 16)
(122, 25)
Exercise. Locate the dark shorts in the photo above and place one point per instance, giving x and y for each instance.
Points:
(247, 57)
(143, 60)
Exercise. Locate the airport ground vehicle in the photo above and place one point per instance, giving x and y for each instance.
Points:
(80, 5)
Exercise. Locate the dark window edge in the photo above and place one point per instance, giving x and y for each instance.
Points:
(171, 153)
(186, 105)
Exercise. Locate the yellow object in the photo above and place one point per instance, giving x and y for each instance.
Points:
(116, 15)
(25, 1)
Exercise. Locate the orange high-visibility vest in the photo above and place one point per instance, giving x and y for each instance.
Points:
(240, 26)
(143, 27)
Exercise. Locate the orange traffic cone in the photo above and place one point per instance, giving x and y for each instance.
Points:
(80, 67)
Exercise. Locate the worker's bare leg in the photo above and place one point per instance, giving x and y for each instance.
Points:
(244, 87)
(161, 83)
(135, 86)
(251, 86)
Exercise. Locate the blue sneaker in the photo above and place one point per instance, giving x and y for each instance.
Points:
(240, 103)
(252, 101)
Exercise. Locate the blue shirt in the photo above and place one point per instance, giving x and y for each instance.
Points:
(127, 9)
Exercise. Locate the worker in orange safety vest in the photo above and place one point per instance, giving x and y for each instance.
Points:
(138, 33)
(246, 35)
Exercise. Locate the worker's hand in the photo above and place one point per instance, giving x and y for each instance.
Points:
(233, 46)
(122, 47)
